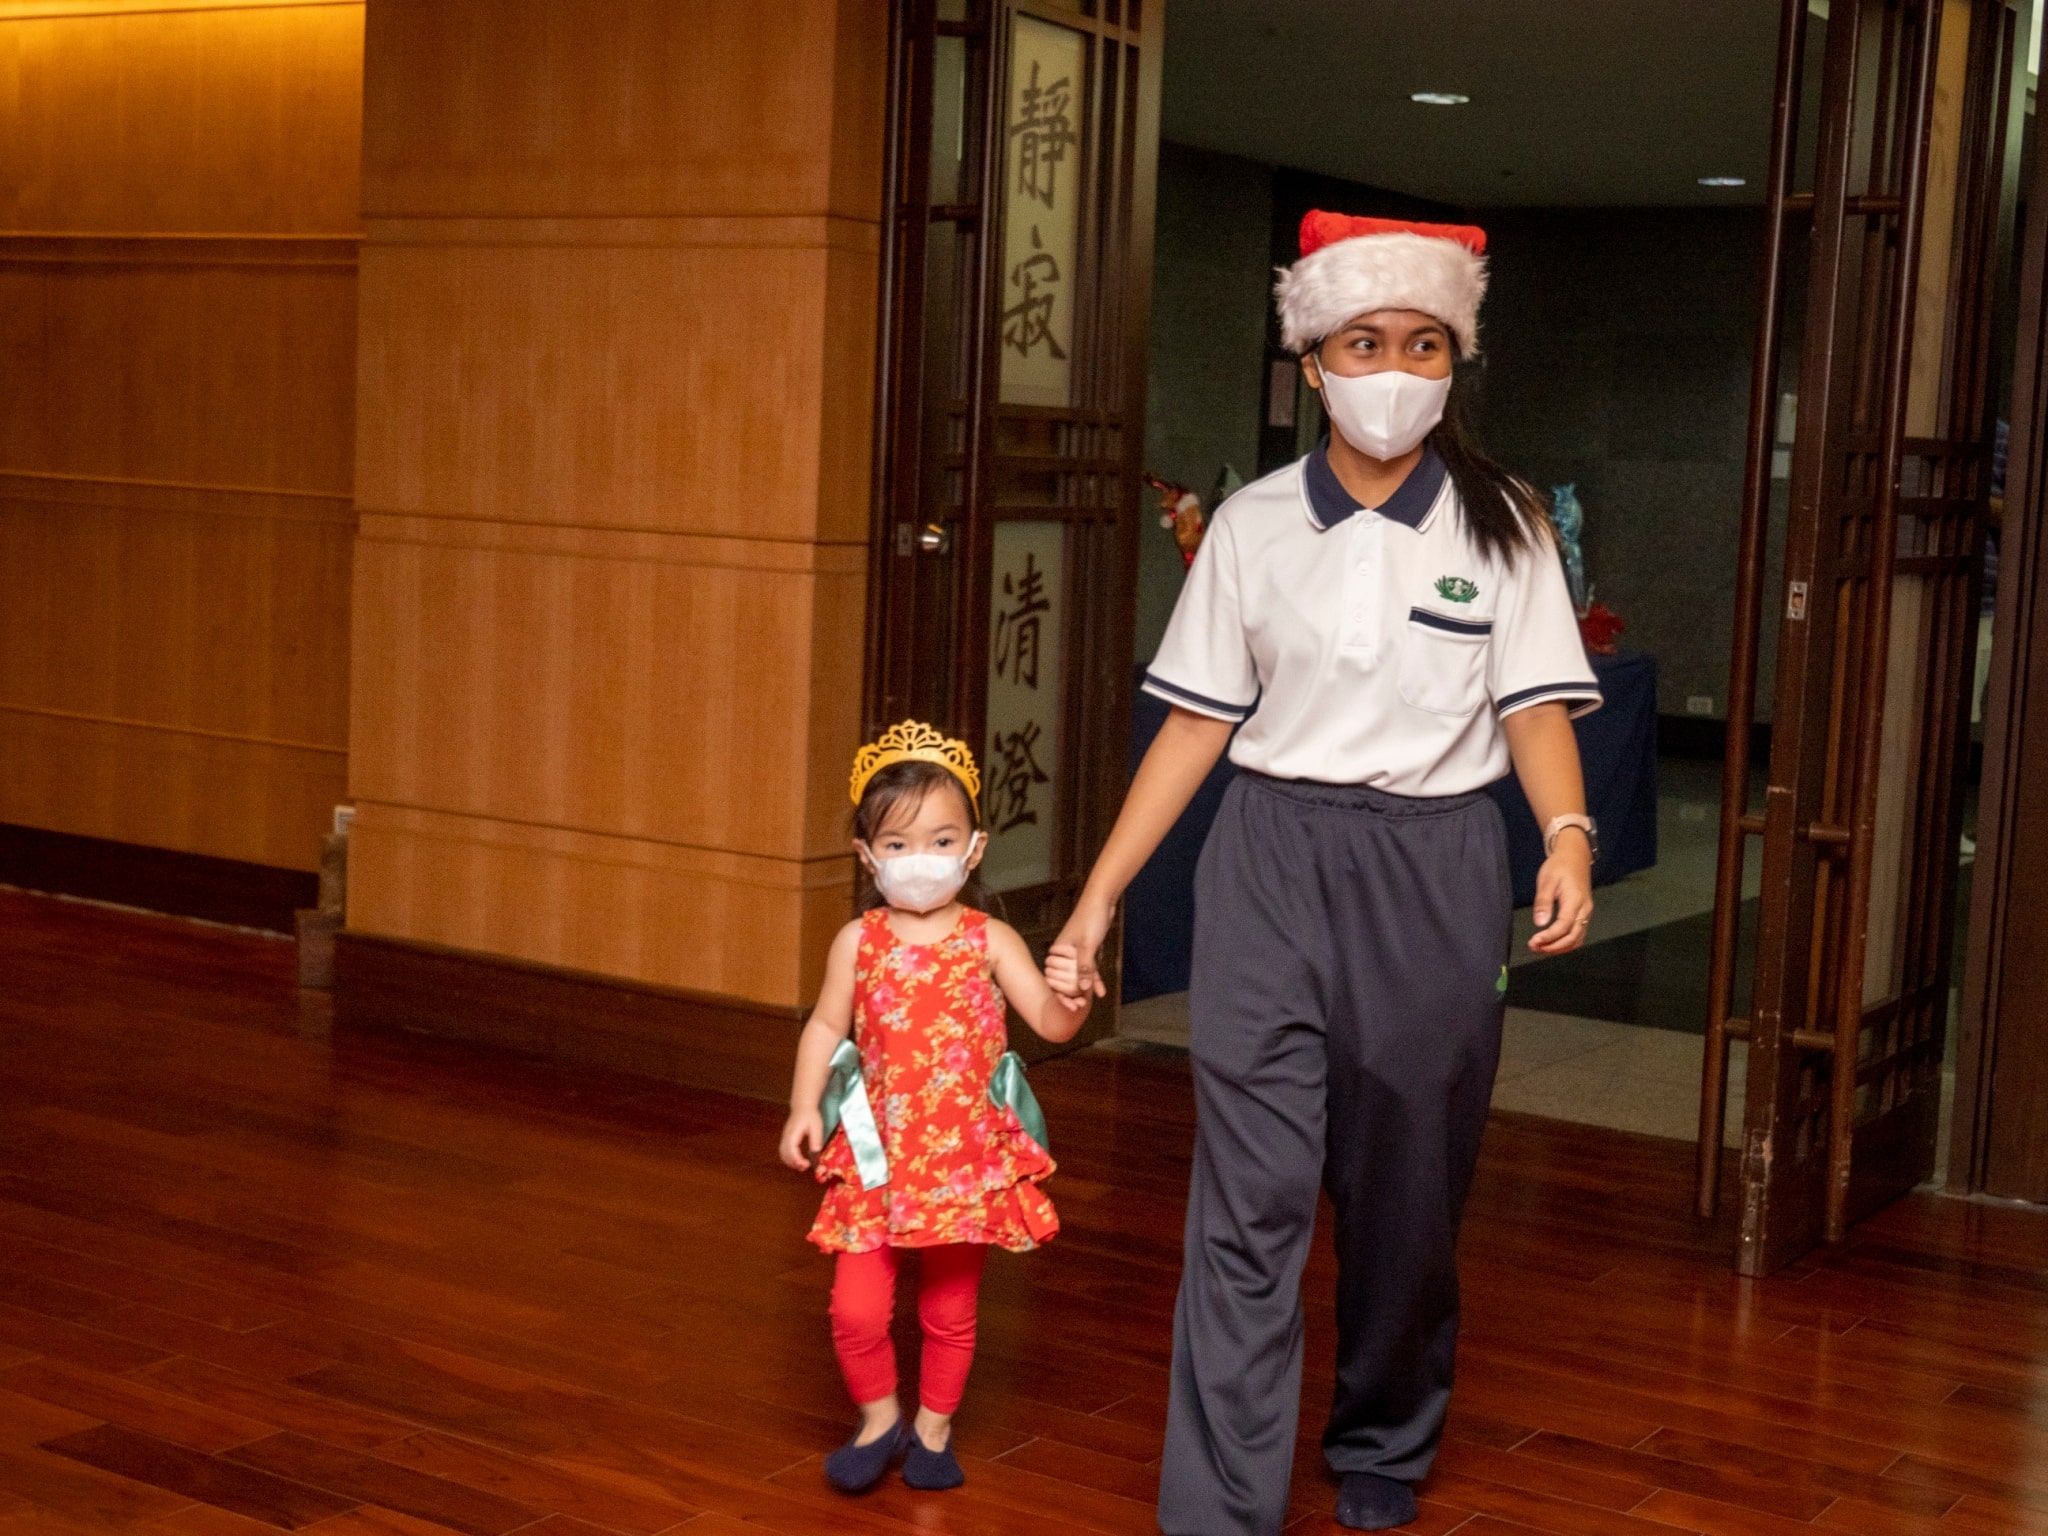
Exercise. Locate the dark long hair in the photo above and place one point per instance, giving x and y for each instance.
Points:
(901, 788)
(1504, 516)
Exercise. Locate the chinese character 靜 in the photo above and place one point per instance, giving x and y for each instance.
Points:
(1042, 132)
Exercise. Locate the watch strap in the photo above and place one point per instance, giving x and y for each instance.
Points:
(1562, 823)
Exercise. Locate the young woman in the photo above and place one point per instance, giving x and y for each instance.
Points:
(1385, 627)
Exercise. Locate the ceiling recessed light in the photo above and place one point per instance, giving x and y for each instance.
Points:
(1724, 181)
(1439, 98)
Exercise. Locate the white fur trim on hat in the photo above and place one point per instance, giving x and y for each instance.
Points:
(1391, 271)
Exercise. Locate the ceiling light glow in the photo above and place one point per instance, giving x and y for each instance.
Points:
(1439, 98)
(1724, 181)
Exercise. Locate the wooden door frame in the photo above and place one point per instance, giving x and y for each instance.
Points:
(2004, 881)
(1890, 472)
(1118, 228)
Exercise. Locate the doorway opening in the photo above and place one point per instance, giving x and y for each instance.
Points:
(1623, 168)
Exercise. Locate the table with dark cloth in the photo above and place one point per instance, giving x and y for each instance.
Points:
(1617, 745)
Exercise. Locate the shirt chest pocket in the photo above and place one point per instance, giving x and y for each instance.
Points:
(1443, 662)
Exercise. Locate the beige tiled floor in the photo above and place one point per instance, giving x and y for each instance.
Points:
(1617, 1075)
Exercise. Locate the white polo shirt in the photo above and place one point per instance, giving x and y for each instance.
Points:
(1361, 646)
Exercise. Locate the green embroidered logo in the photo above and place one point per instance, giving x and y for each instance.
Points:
(1456, 589)
(1501, 986)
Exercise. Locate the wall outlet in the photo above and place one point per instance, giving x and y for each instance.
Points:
(1699, 704)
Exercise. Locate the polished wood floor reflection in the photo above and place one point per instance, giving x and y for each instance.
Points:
(256, 1277)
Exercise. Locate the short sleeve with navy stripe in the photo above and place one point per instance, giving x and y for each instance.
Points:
(1204, 663)
(1367, 645)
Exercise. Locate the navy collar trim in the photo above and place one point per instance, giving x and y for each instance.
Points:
(1330, 504)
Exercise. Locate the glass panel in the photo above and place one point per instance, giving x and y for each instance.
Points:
(1041, 211)
(1021, 766)
(949, 117)
(952, 10)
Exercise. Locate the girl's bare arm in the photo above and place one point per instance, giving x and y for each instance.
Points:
(1051, 1015)
(831, 1021)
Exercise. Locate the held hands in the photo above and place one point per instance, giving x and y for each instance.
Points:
(1564, 896)
(803, 1138)
(1079, 942)
(1063, 975)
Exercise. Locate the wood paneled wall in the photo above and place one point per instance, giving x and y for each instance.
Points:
(178, 217)
(612, 466)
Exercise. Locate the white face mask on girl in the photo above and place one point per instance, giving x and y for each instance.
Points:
(1383, 414)
(921, 882)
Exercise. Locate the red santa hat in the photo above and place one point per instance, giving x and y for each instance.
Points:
(1353, 266)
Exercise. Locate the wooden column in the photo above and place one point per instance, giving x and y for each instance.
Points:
(612, 458)
(178, 213)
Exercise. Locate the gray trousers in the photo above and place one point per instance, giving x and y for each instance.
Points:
(1346, 1017)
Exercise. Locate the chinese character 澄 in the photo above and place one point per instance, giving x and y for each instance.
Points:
(1011, 784)
(1017, 626)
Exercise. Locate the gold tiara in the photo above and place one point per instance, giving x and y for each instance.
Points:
(912, 742)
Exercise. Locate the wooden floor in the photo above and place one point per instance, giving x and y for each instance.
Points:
(254, 1277)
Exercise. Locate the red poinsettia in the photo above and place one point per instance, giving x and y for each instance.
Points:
(1598, 626)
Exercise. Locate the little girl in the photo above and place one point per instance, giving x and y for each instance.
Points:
(931, 1150)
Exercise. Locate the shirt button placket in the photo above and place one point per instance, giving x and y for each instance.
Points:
(1362, 588)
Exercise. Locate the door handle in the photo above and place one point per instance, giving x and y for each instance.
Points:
(931, 539)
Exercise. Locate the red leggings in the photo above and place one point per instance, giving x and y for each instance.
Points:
(864, 1300)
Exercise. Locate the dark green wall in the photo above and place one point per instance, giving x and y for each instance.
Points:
(1616, 354)
(1212, 283)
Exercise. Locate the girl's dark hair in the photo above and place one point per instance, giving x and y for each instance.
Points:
(901, 788)
(1504, 516)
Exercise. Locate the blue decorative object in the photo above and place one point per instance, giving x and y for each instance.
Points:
(1570, 518)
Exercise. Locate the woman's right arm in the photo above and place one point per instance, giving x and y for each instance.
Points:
(1179, 759)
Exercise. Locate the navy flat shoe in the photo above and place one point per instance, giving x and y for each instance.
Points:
(1368, 1502)
(856, 1468)
(933, 1471)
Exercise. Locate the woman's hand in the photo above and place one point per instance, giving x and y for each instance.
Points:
(1063, 975)
(1081, 940)
(803, 1137)
(1564, 896)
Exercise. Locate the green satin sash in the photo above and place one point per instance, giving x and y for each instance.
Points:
(845, 1105)
(1007, 1089)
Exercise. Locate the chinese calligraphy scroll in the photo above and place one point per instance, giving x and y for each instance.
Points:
(1020, 767)
(1041, 212)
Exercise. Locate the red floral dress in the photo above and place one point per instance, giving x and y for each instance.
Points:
(930, 1023)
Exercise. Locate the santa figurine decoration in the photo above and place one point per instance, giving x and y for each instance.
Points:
(1180, 509)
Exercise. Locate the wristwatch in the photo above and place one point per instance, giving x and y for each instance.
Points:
(1585, 824)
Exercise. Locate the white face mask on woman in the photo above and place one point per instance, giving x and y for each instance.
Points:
(920, 882)
(1383, 414)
